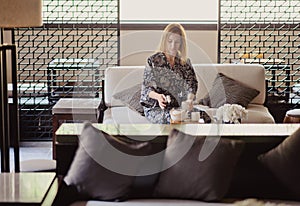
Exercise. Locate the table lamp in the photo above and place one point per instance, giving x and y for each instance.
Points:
(13, 14)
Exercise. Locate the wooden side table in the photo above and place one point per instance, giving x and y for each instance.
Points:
(28, 188)
(73, 110)
(292, 116)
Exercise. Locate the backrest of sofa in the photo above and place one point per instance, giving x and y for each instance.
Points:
(251, 75)
(120, 78)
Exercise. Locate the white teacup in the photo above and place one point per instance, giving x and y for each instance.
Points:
(178, 115)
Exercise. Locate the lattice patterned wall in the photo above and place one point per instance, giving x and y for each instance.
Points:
(64, 58)
(266, 32)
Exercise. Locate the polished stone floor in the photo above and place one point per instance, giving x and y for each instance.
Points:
(32, 150)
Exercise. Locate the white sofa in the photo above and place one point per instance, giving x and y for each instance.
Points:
(122, 77)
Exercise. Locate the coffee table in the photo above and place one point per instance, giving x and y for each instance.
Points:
(28, 188)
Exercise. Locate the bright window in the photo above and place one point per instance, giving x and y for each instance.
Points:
(168, 10)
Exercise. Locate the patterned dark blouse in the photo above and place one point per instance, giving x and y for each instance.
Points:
(160, 77)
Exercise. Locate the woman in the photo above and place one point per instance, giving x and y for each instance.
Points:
(168, 75)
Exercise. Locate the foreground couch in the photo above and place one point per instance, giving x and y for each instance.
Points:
(122, 79)
(250, 178)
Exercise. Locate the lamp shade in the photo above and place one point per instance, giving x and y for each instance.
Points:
(20, 13)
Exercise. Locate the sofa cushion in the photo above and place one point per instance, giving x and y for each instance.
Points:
(199, 168)
(227, 90)
(258, 113)
(123, 115)
(131, 98)
(119, 78)
(283, 162)
(206, 74)
(97, 172)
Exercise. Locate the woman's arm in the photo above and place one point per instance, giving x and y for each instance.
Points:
(148, 93)
(191, 79)
(150, 97)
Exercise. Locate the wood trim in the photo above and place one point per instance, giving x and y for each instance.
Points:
(161, 26)
(187, 26)
(135, 26)
(262, 26)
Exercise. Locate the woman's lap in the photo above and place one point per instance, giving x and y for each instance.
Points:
(157, 115)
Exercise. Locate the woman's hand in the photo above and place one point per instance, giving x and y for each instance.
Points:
(161, 98)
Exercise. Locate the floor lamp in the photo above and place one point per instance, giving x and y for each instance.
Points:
(13, 14)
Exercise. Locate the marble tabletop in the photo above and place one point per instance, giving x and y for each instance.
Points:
(27, 188)
(70, 131)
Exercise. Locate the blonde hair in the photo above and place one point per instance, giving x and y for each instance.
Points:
(175, 28)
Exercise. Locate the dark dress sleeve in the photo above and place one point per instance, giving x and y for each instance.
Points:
(191, 79)
(149, 84)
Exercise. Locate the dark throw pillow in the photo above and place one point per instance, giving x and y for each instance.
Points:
(102, 168)
(283, 162)
(206, 179)
(131, 98)
(227, 90)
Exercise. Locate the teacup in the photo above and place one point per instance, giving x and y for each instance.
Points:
(178, 115)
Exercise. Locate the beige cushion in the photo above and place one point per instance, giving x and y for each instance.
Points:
(123, 115)
(206, 74)
(120, 78)
(258, 114)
